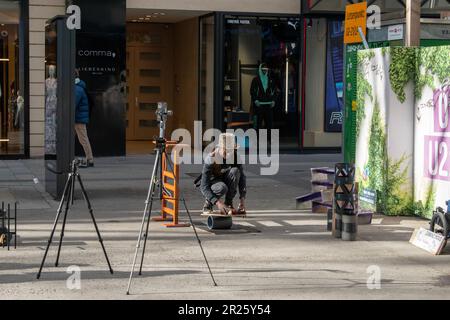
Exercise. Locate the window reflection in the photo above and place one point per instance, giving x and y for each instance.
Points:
(261, 72)
(12, 102)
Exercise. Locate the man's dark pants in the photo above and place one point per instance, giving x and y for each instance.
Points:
(227, 186)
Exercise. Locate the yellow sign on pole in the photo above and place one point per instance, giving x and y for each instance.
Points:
(355, 17)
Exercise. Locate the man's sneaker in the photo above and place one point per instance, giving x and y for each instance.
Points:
(207, 208)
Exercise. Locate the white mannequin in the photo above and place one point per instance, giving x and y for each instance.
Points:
(52, 72)
(50, 110)
(19, 114)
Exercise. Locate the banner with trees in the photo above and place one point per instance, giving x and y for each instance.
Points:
(402, 128)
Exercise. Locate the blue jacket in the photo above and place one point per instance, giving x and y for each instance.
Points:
(81, 103)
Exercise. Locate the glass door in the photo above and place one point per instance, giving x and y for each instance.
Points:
(260, 68)
(12, 95)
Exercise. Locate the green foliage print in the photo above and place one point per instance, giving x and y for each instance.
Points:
(402, 70)
(393, 200)
(363, 87)
(432, 61)
(377, 150)
(424, 210)
(389, 177)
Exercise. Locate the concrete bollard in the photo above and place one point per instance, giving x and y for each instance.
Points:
(337, 230)
(349, 227)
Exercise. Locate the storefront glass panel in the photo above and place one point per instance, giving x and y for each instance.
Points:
(12, 97)
(261, 75)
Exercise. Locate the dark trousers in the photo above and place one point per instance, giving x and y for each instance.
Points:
(227, 186)
(264, 114)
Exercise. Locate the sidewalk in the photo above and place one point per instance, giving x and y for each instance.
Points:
(126, 180)
(277, 252)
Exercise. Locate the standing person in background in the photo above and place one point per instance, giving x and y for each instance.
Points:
(82, 119)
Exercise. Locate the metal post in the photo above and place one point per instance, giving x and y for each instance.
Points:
(413, 9)
(8, 233)
(15, 225)
(3, 220)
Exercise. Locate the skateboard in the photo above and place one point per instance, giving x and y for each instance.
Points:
(218, 214)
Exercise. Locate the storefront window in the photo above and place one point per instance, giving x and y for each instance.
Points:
(12, 99)
(261, 75)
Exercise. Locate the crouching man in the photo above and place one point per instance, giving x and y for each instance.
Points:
(222, 177)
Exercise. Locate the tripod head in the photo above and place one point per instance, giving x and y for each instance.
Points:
(75, 164)
(162, 113)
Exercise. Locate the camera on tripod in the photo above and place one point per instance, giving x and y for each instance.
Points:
(162, 112)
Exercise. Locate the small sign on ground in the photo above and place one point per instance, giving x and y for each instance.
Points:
(427, 240)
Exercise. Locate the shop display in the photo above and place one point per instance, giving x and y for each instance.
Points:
(334, 99)
(270, 98)
(50, 111)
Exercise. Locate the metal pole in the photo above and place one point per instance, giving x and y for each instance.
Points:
(3, 221)
(8, 239)
(413, 9)
(15, 225)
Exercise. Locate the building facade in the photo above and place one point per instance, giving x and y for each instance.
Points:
(203, 57)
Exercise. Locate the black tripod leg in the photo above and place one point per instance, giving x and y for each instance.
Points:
(146, 236)
(147, 203)
(66, 189)
(150, 213)
(91, 212)
(66, 211)
(169, 161)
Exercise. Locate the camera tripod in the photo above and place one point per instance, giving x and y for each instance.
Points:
(67, 200)
(157, 182)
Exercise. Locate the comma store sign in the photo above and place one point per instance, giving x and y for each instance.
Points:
(101, 60)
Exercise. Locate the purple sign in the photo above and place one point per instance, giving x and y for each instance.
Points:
(437, 161)
(441, 101)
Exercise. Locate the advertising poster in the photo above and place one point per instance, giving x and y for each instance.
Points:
(100, 58)
(403, 129)
(384, 129)
(334, 102)
(432, 128)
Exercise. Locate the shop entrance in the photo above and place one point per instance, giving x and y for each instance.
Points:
(162, 65)
(149, 78)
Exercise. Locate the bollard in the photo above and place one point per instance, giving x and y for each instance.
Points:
(337, 230)
(344, 202)
(330, 220)
(349, 227)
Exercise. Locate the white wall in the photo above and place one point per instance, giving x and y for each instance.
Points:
(266, 6)
(40, 11)
(315, 88)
